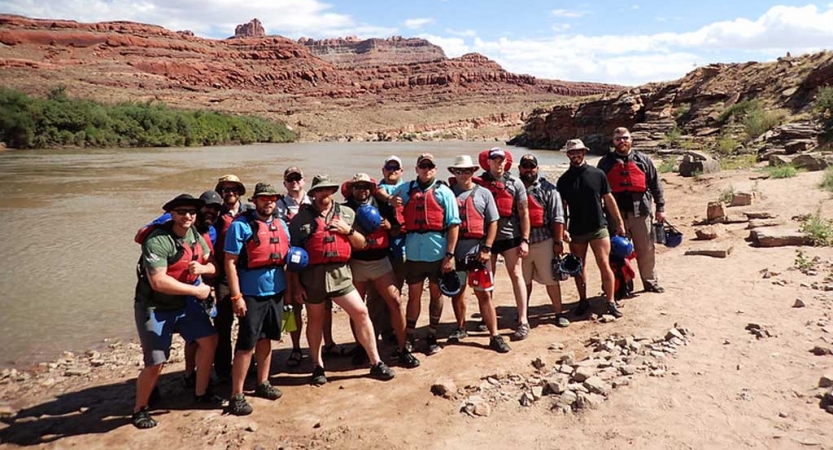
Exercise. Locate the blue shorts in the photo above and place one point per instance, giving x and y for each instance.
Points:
(156, 328)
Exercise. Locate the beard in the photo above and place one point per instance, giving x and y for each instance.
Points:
(529, 177)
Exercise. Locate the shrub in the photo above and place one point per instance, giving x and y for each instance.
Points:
(823, 112)
(667, 166)
(727, 194)
(818, 229)
(759, 121)
(726, 145)
(827, 180)
(738, 162)
(782, 171)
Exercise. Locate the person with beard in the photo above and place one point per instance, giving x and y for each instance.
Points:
(634, 182)
(370, 265)
(478, 228)
(584, 190)
(325, 230)
(432, 222)
(512, 240)
(256, 247)
(546, 234)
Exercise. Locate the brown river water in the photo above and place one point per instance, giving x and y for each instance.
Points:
(67, 256)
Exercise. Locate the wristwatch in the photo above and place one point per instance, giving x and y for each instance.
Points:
(558, 242)
(485, 248)
(449, 254)
(525, 240)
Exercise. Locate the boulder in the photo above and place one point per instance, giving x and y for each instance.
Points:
(721, 250)
(742, 199)
(706, 233)
(759, 223)
(444, 388)
(778, 237)
(798, 146)
(691, 165)
(810, 161)
(714, 212)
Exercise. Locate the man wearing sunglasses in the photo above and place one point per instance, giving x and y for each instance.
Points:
(391, 180)
(431, 222)
(256, 247)
(634, 182)
(584, 190)
(546, 233)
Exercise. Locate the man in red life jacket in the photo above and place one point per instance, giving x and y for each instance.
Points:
(371, 266)
(168, 299)
(256, 247)
(432, 223)
(325, 230)
(634, 182)
(478, 228)
(231, 189)
(512, 241)
(546, 234)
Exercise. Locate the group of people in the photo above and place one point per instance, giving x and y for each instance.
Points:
(213, 258)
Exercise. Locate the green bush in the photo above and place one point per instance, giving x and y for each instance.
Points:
(823, 112)
(726, 145)
(27, 122)
(827, 180)
(820, 230)
(739, 109)
(667, 166)
(782, 171)
(727, 194)
(672, 136)
(738, 162)
(759, 121)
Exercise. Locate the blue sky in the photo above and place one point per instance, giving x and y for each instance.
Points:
(631, 42)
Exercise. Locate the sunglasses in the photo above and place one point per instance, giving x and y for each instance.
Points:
(268, 198)
(185, 212)
(362, 186)
(622, 138)
(392, 168)
(575, 152)
(529, 166)
(294, 178)
(229, 190)
(462, 171)
(428, 166)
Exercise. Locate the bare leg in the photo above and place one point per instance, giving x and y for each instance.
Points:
(263, 353)
(554, 293)
(386, 286)
(435, 307)
(414, 307)
(515, 271)
(239, 369)
(357, 310)
(580, 250)
(190, 358)
(487, 310)
(315, 323)
(144, 385)
(458, 303)
(327, 326)
(204, 359)
(299, 321)
(601, 250)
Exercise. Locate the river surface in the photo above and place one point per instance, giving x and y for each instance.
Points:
(67, 256)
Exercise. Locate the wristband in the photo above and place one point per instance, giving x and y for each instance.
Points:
(485, 248)
(558, 242)
(449, 254)
(234, 298)
(525, 240)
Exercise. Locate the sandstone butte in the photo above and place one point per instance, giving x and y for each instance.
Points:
(327, 89)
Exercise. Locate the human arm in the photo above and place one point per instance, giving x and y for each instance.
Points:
(613, 211)
(655, 186)
(523, 217)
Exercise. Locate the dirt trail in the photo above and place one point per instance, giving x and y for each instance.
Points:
(726, 389)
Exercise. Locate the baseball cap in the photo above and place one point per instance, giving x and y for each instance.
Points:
(529, 158)
(292, 169)
(393, 159)
(425, 157)
(497, 152)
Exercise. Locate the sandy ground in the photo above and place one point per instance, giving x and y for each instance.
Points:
(726, 389)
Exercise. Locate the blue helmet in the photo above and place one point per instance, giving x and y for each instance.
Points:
(297, 259)
(368, 218)
(620, 247)
(569, 265)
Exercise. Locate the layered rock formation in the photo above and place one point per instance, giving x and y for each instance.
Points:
(252, 29)
(352, 52)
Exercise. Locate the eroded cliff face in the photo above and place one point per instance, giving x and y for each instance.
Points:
(692, 105)
(314, 81)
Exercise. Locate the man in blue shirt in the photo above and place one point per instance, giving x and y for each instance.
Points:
(432, 222)
(256, 246)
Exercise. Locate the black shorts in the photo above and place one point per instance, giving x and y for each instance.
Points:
(262, 320)
(501, 246)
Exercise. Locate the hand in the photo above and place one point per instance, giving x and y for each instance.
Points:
(385, 225)
(484, 256)
(660, 217)
(523, 249)
(395, 200)
(195, 268)
(299, 295)
(448, 264)
(339, 226)
(203, 291)
(239, 307)
(566, 237)
(620, 230)
(558, 248)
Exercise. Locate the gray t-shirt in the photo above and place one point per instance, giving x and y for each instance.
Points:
(484, 203)
(510, 227)
(546, 194)
(287, 207)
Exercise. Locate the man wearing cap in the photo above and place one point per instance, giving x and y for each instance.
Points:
(168, 299)
(325, 230)
(231, 189)
(512, 241)
(634, 182)
(478, 228)
(432, 222)
(256, 247)
(546, 233)
(584, 190)
(370, 265)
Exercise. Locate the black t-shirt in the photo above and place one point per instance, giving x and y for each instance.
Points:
(582, 188)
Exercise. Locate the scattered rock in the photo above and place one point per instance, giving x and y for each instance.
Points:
(810, 161)
(717, 250)
(583, 373)
(706, 233)
(444, 388)
(758, 215)
(607, 318)
(799, 303)
(778, 237)
(538, 363)
(742, 199)
(526, 399)
(821, 351)
(7, 412)
(77, 371)
(596, 385)
(702, 164)
(759, 331)
(826, 381)
(714, 212)
(673, 333)
(252, 427)
(556, 346)
(760, 223)
(482, 409)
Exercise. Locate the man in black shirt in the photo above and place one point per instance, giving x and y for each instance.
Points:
(584, 189)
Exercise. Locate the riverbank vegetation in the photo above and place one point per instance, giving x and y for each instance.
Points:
(59, 121)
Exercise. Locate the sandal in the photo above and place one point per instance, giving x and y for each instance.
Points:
(295, 357)
(142, 420)
(333, 350)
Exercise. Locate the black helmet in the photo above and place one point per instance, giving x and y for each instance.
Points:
(450, 283)
(570, 265)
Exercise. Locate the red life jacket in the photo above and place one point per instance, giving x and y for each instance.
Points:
(536, 210)
(222, 228)
(377, 240)
(423, 212)
(178, 262)
(207, 238)
(471, 221)
(503, 198)
(626, 177)
(325, 246)
(267, 246)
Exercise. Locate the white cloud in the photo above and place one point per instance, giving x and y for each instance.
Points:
(561, 27)
(634, 6)
(418, 23)
(453, 47)
(568, 13)
(464, 33)
(291, 18)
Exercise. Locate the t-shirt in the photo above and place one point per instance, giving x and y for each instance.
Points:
(484, 203)
(510, 227)
(582, 189)
(288, 206)
(547, 196)
(430, 246)
(160, 246)
(261, 281)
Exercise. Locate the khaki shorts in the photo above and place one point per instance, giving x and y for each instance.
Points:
(538, 263)
(418, 271)
(601, 233)
(364, 271)
(326, 281)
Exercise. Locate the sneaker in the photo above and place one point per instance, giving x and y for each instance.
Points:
(381, 371)
(409, 344)
(318, 377)
(238, 405)
(583, 307)
(360, 356)
(481, 326)
(209, 399)
(497, 344)
(142, 420)
(431, 346)
(457, 335)
(613, 310)
(655, 288)
(407, 359)
(522, 332)
(267, 391)
(561, 321)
